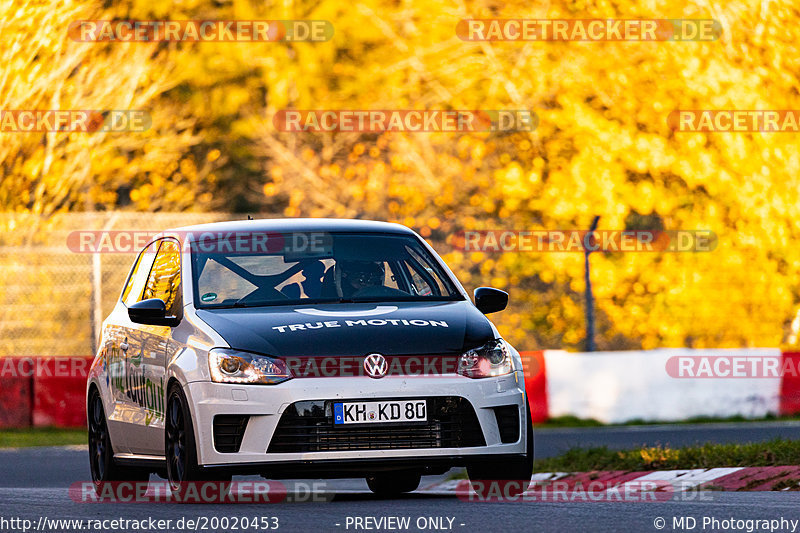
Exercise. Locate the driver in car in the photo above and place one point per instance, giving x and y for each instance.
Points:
(359, 276)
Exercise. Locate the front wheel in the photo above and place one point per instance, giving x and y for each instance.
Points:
(511, 475)
(180, 445)
(393, 483)
(181, 451)
(101, 453)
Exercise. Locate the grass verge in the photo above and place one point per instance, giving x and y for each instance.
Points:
(778, 452)
(26, 437)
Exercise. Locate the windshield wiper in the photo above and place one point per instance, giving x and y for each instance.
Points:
(239, 304)
(374, 299)
(243, 305)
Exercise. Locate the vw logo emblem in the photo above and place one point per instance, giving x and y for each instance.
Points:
(375, 365)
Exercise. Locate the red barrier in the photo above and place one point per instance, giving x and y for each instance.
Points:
(790, 386)
(16, 394)
(59, 388)
(535, 384)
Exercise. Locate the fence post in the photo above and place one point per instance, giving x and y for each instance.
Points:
(97, 288)
(589, 298)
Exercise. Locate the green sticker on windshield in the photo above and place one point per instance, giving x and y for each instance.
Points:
(209, 297)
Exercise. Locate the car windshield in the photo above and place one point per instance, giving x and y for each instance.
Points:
(263, 269)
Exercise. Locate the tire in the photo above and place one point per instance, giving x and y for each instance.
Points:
(393, 483)
(180, 446)
(511, 475)
(101, 453)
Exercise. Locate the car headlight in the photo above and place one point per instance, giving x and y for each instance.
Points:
(491, 359)
(233, 366)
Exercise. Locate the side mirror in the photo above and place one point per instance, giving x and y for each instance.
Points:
(489, 300)
(152, 311)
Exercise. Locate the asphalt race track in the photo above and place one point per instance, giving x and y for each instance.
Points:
(34, 484)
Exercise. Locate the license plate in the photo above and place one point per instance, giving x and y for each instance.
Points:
(384, 412)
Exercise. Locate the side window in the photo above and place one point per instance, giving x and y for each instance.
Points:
(133, 290)
(419, 285)
(391, 278)
(423, 276)
(164, 281)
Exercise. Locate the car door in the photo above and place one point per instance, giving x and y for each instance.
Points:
(122, 413)
(147, 350)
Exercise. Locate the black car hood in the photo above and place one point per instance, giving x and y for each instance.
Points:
(391, 328)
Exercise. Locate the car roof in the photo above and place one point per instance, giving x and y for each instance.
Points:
(281, 225)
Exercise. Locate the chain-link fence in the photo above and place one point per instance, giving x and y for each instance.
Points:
(52, 298)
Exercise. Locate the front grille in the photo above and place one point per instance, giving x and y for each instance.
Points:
(308, 427)
(229, 432)
(508, 423)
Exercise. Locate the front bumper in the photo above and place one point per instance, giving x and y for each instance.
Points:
(265, 404)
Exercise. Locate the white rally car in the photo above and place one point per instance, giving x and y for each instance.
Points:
(304, 348)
